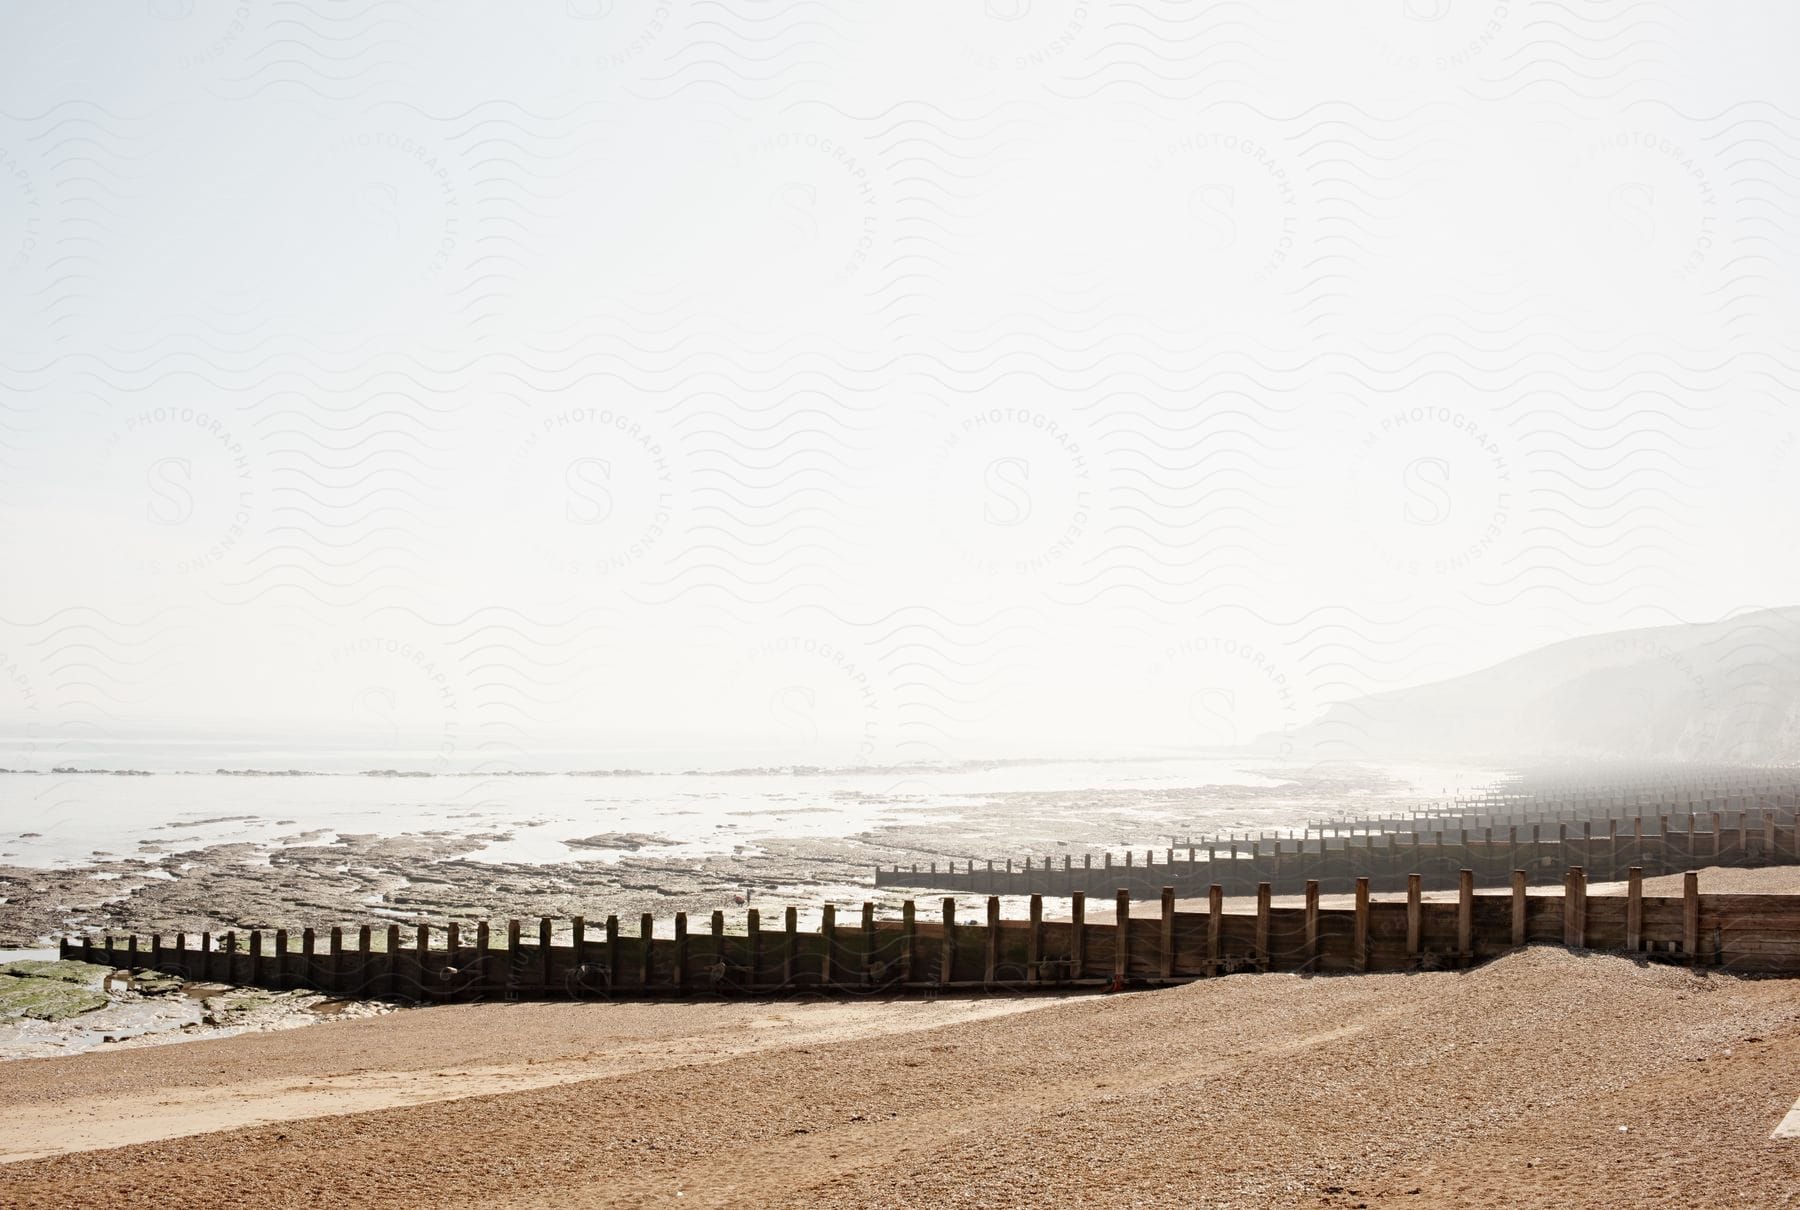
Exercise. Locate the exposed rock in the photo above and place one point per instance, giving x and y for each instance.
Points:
(45, 999)
(85, 973)
(630, 842)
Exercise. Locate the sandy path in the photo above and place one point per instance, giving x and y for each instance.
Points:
(1501, 1085)
(55, 1106)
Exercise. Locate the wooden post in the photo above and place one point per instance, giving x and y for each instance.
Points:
(947, 959)
(790, 924)
(1034, 941)
(614, 976)
(1359, 937)
(1078, 934)
(421, 953)
(1415, 919)
(1312, 922)
(1690, 915)
(681, 954)
(543, 963)
(647, 938)
(1262, 925)
(1465, 915)
(908, 939)
(1168, 932)
(992, 967)
(1122, 935)
(1574, 908)
(281, 954)
(1634, 909)
(827, 938)
(393, 958)
(256, 958)
(1215, 921)
(577, 941)
(868, 939)
(1518, 908)
(753, 943)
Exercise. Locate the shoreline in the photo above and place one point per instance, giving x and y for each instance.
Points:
(318, 872)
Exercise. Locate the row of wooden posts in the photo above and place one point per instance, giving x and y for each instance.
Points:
(1744, 933)
(1476, 816)
(1551, 798)
(1386, 859)
(1673, 789)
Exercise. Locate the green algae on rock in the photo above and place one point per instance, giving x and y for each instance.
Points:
(42, 999)
(63, 970)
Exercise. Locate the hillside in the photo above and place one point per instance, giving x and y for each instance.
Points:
(1719, 691)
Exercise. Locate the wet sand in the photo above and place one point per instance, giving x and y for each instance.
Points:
(1544, 1079)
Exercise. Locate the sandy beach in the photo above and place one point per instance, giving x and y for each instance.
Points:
(1015, 603)
(1547, 1078)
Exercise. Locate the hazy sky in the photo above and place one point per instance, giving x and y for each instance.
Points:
(857, 382)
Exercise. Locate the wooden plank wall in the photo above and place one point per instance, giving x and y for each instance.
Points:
(938, 949)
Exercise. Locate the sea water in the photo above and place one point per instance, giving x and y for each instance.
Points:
(62, 818)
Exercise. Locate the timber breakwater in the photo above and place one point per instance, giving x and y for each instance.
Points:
(1537, 892)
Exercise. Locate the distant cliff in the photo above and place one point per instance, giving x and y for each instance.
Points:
(1719, 691)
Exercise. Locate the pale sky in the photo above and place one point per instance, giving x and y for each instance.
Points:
(854, 383)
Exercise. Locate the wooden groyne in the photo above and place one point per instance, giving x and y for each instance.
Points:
(865, 955)
(1606, 848)
(1617, 794)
